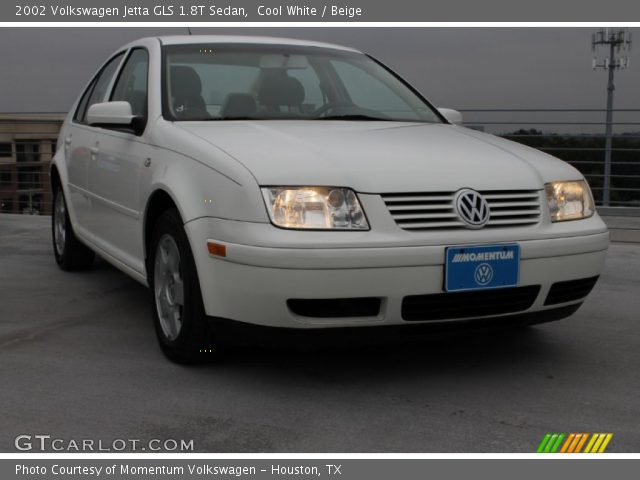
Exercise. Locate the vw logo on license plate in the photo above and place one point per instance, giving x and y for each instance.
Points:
(483, 274)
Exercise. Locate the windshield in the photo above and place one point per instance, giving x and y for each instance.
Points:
(275, 82)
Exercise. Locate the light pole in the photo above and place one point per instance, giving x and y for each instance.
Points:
(615, 40)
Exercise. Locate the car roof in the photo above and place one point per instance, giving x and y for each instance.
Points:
(238, 39)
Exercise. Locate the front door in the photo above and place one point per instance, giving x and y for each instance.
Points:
(114, 172)
(79, 146)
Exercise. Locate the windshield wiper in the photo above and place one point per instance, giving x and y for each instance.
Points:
(218, 119)
(355, 117)
(214, 119)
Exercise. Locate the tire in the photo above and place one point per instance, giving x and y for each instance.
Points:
(179, 318)
(69, 252)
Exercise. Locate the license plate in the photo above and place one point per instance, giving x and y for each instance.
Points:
(481, 267)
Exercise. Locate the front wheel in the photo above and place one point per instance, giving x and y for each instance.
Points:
(176, 299)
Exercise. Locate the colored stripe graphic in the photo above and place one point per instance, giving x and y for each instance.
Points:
(607, 439)
(556, 445)
(598, 443)
(581, 443)
(573, 443)
(570, 439)
(551, 442)
(591, 443)
(543, 443)
(578, 441)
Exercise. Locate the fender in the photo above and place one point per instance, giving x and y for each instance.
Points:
(198, 190)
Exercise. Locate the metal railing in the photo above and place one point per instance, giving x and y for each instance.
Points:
(576, 136)
(573, 135)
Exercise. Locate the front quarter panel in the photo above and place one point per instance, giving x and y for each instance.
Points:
(547, 167)
(202, 180)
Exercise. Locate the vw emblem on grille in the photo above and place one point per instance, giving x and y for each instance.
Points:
(483, 274)
(472, 208)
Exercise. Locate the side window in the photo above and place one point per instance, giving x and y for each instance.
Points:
(98, 89)
(82, 105)
(131, 85)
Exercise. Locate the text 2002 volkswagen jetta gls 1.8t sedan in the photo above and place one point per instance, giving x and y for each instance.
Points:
(297, 184)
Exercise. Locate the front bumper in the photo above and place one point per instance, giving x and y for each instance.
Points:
(254, 281)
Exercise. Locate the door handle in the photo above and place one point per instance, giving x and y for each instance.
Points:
(94, 150)
(67, 141)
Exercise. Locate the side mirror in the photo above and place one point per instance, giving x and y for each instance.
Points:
(452, 116)
(116, 115)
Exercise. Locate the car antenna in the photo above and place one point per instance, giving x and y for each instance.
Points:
(189, 30)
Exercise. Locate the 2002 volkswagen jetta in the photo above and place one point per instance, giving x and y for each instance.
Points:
(298, 184)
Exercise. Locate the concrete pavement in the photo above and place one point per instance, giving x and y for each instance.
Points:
(78, 359)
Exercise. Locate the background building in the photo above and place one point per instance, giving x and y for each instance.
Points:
(27, 144)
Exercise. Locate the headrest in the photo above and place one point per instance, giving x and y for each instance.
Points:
(238, 105)
(278, 89)
(185, 81)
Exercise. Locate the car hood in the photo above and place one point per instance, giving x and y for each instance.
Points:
(379, 157)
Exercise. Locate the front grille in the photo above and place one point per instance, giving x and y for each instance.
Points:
(477, 303)
(335, 307)
(570, 290)
(426, 211)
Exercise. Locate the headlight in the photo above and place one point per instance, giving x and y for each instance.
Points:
(569, 200)
(317, 208)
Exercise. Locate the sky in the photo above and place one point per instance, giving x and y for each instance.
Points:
(44, 69)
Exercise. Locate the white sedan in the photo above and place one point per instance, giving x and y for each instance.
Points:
(304, 185)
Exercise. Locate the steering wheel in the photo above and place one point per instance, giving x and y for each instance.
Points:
(332, 107)
(346, 108)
